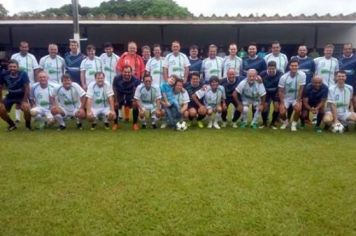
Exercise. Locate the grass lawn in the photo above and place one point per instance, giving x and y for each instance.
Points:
(160, 182)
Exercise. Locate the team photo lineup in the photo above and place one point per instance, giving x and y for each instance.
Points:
(176, 91)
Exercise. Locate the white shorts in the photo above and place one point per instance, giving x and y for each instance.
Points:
(97, 112)
(69, 113)
(43, 112)
(149, 108)
(342, 116)
(289, 102)
(250, 102)
(211, 106)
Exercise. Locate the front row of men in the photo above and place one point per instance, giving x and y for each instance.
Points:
(174, 100)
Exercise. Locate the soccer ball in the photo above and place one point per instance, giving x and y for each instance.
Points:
(337, 128)
(181, 126)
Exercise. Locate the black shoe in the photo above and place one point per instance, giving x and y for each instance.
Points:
(79, 126)
(154, 126)
(143, 126)
(93, 126)
(107, 126)
(61, 127)
(11, 128)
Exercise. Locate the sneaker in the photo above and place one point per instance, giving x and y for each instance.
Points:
(93, 127)
(216, 125)
(284, 124)
(200, 124)
(61, 127)
(143, 126)
(163, 125)
(223, 124)
(243, 125)
(79, 126)
(106, 126)
(210, 125)
(293, 127)
(135, 127)
(273, 126)
(318, 130)
(262, 126)
(254, 126)
(11, 128)
(154, 126)
(234, 125)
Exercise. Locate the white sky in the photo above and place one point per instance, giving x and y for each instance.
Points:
(218, 7)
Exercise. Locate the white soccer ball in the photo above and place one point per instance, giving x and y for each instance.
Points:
(337, 128)
(181, 125)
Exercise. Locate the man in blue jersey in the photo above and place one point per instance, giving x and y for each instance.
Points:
(314, 99)
(306, 64)
(18, 86)
(230, 83)
(270, 78)
(347, 62)
(252, 61)
(124, 87)
(73, 59)
(195, 61)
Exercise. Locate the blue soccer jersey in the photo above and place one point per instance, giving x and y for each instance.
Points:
(348, 64)
(15, 84)
(256, 63)
(315, 96)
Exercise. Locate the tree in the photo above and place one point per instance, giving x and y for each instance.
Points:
(3, 11)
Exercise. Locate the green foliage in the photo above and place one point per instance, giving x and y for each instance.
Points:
(3, 11)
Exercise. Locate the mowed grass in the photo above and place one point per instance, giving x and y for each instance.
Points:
(161, 182)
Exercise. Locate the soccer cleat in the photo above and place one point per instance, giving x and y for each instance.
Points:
(284, 125)
(61, 127)
(93, 127)
(293, 127)
(234, 125)
(79, 126)
(243, 125)
(200, 124)
(318, 130)
(135, 127)
(154, 126)
(273, 126)
(210, 125)
(11, 128)
(254, 126)
(223, 124)
(216, 125)
(143, 126)
(262, 126)
(106, 126)
(163, 125)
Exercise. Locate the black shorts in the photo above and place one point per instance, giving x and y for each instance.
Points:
(125, 100)
(272, 97)
(229, 101)
(192, 104)
(9, 102)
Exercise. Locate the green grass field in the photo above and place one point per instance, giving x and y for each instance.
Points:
(160, 182)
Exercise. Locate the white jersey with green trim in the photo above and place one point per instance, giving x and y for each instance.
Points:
(291, 84)
(212, 67)
(147, 96)
(281, 61)
(251, 93)
(341, 97)
(91, 66)
(69, 99)
(155, 67)
(176, 64)
(234, 63)
(99, 94)
(41, 96)
(211, 98)
(182, 97)
(109, 66)
(54, 68)
(326, 68)
(27, 63)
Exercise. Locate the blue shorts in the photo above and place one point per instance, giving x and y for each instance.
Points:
(9, 102)
(272, 97)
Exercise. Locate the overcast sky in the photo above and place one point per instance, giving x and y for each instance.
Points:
(219, 7)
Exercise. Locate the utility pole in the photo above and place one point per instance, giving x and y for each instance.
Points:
(76, 34)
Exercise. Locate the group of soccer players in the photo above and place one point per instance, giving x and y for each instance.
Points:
(179, 87)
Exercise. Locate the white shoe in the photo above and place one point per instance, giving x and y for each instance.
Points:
(163, 125)
(284, 125)
(216, 125)
(210, 125)
(223, 124)
(234, 125)
(293, 126)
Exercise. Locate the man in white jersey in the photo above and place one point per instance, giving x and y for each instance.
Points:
(213, 97)
(339, 102)
(148, 100)
(146, 53)
(109, 61)
(42, 100)
(327, 65)
(89, 67)
(53, 64)
(154, 67)
(176, 63)
(28, 63)
(290, 90)
(250, 92)
(213, 65)
(232, 61)
(100, 101)
(276, 55)
(69, 103)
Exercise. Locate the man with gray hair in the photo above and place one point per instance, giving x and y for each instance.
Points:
(53, 64)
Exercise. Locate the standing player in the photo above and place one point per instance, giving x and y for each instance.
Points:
(53, 64)
(339, 102)
(109, 61)
(276, 55)
(154, 67)
(27, 63)
(212, 66)
(250, 92)
(327, 65)
(348, 63)
(146, 53)
(232, 61)
(73, 59)
(100, 101)
(89, 67)
(230, 83)
(253, 61)
(314, 99)
(306, 64)
(270, 78)
(176, 63)
(69, 103)
(290, 92)
(124, 89)
(18, 86)
(132, 59)
(148, 100)
(194, 60)
(213, 100)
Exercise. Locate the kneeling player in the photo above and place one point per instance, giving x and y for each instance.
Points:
(250, 92)
(214, 101)
(42, 100)
(314, 98)
(100, 101)
(340, 102)
(148, 99)
(70, 102)
(290, 93)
